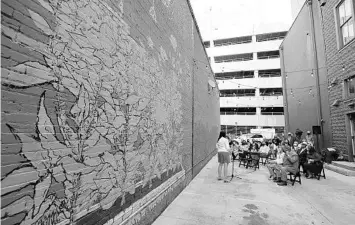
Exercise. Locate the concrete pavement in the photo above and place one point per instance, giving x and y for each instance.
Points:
(254, 200)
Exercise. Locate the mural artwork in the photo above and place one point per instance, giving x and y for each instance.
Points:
(88, 112)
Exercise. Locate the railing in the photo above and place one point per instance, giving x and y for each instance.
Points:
(271, 39)
(232, 43)
(239, 113)
(271, 94)
(238, 95)
(272, 113)
(269, 57)
(233, 60)
(235, 77)
(263, 75)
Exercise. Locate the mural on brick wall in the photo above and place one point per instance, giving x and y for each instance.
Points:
(88, 112)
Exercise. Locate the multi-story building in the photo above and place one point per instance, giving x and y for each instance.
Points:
(318, 58)
(338, 29)
(247, 69)
(304, 73)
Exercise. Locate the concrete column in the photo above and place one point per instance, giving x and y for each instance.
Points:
(256, 73)
(253, 38)
(258, 113)
(255, 56)
(257, 92)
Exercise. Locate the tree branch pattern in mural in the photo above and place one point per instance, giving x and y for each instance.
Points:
(108, 113)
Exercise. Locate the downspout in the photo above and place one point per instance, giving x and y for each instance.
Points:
(193, 116)
(316, 67)
(284, 82)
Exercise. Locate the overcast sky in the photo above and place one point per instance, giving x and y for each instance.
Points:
(223, 18)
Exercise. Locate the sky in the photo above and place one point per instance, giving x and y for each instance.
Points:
(231, 18)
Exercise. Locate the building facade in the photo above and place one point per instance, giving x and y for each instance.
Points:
(318, 57)
(108, 110)
(338, 29)
(304, 76)
(248, 72)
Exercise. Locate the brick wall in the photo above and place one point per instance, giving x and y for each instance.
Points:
(336, 59)
(106, 110)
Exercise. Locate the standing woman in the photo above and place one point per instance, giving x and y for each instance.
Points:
(223, 156)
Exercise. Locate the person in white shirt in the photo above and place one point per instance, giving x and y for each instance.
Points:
(223, 156)
(274, 164)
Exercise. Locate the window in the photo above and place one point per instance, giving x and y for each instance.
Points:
(232, 41)
(345, 22)
(271, 36)
(206, 44)
(270, 73)
(233, 58)
(272, 111)
(235, 75)
(244, 129)
(237, 92)
(350, 87)
(268, 55)
(229, 129)
(270, 91)
(238, 111)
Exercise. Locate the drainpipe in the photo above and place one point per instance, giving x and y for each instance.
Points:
(284, 82)
(193, 116)
(316, 66)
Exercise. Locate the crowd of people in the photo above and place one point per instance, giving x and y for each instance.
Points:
(283, 156)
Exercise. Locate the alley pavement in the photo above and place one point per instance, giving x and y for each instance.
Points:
(252, 199)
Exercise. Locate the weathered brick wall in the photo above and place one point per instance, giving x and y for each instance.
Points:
(106, 109)
(336, 59)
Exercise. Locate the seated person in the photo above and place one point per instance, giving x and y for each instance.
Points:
(314, 165)
(302, 154)
(290, 164)
(235, 149)
(274, 164)
(264, 150)
(295, 146)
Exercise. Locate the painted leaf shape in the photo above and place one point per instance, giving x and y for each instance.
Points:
(40, 22)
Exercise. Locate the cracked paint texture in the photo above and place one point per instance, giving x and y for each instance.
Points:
(88, 114)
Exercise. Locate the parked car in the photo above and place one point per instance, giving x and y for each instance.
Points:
(257, 138)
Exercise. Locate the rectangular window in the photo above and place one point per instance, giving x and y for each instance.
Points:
(233, 58)
(206, 44)
(237, 93)
(244, 129)
(271, 36)
(232, 41)
(235, 75)
(229, 129)
(345, 21)
(350, 87)
(270, 73)
(270, 91)
(238, 111)
(272, 111)
(268, 55)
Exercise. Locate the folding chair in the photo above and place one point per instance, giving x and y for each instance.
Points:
(243, 158)
(321, 173)
(253, 160)
(293, 178)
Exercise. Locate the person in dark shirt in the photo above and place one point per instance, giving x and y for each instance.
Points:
(302, 154)
(313, 165)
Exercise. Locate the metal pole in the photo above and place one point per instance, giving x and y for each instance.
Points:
(284, 81)
(316, 66)
(193, 115)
